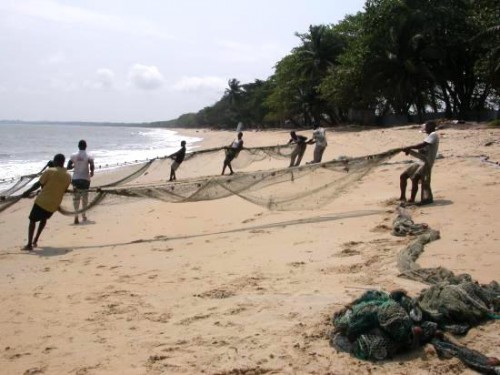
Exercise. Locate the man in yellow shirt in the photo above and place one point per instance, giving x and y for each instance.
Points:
(54, 183)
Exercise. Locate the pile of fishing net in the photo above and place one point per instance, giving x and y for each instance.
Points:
(378, 325)
(305, 187)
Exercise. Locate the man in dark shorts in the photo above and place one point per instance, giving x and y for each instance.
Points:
(54, 183)
(178, 158)
(298, 151)
(83, 164)
(231, 152)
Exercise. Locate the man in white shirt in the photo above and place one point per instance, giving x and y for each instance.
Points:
(319, 139)
(421, 170)
(232, 152)
(83, 164)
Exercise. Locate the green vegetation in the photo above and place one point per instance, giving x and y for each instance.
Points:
(399, 57)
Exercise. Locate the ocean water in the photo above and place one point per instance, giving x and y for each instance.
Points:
(26, 148)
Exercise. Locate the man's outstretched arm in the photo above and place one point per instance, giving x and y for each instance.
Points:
(34, 187)
(415, 147)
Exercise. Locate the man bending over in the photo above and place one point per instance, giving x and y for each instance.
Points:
(54, 183)
(420, 171)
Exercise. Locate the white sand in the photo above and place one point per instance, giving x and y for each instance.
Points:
(226, 287)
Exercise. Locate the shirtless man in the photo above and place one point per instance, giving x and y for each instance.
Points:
(178, 158)
(298, 151)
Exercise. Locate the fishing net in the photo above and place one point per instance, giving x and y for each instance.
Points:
(472, 358)
(407, 258)
(466, 304)
(403, 225)
(15, 186)
(305, 187)
(378, 325)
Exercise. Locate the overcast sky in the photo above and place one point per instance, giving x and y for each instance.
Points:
(142, 60)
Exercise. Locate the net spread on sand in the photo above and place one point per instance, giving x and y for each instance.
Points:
(304, 187)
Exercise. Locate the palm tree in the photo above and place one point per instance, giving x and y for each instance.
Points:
(399, 62)
(232, 96)
(319, 51)
(233, 92)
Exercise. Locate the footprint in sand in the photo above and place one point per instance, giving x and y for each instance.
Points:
(255, 231)
(349, 249)
(348, 253)
(35, 371)
(194, 318)
(253, 218)
(381, 228)
(353, 268)
(218, 293)
(156, 317)
(166, 250)
(48, 349)
(236, 310)
(297, 264)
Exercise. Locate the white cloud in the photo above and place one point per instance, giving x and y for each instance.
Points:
(55, 58)
(105, 77)
(58, 84)
(104, 80)
(200, 83)
(145, 77)
(52, 11)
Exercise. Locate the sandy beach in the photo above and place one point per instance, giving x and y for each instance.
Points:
(228, 287)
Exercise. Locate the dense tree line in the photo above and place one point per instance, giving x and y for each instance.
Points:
(402, 57)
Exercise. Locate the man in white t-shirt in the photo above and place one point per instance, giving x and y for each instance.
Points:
(83, 165)
(232, 152)
(420, 172)
(319, 139)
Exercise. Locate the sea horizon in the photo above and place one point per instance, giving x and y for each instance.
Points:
(26, 147)
(77, 122)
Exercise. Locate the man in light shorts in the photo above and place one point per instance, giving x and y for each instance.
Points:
(420, 172)
(83, 164)
(319, 139)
